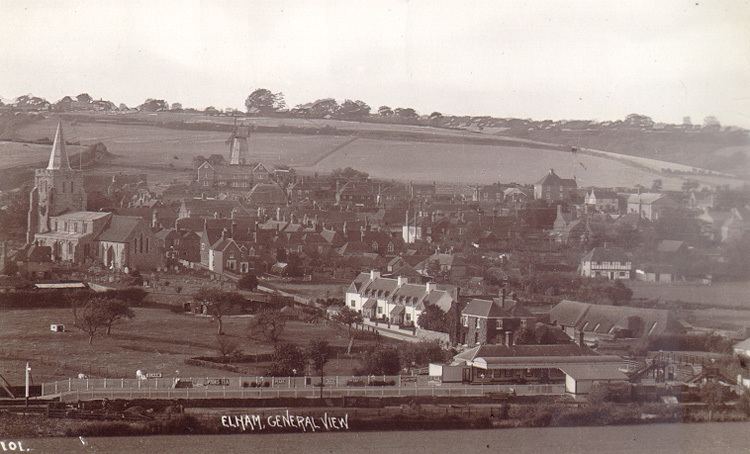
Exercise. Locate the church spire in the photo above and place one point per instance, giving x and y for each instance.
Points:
(58, 157)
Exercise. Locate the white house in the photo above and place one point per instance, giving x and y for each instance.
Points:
(394, 300)
(610, 262)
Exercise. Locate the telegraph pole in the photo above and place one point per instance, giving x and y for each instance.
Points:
(28, 370)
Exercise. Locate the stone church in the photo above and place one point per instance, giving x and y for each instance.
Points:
(58, 219)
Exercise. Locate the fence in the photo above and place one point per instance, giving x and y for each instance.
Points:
(270, 387)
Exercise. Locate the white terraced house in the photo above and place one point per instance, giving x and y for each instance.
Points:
(394, 299)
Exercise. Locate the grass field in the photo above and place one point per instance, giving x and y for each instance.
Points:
(156, 340)
(727, 294)
(433, 154)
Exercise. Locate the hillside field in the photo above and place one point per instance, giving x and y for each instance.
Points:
(403, 152)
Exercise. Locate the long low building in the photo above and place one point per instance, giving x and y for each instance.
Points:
(578, 367)
(610, 322)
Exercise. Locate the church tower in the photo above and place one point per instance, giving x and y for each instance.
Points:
(57, 189)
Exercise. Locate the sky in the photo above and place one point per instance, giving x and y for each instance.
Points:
(599, 59)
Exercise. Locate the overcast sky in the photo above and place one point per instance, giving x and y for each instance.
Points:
(530, 59)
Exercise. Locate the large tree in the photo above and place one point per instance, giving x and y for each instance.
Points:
(264, 101)
(288, 360)
(153, 105)
(116, 310)
(218, 303)
(268, 324)
(348, 317)
(385, 111)
(354, 109)
(248, 282)
(318, 352)
(85, 98)
(381, 360)
(91, 318)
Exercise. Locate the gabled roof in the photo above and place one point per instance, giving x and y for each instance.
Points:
(645, 198)
(606, 319)
(669, 245)
(552, 179)
(606, 254)
(494, 309)
(120, 228)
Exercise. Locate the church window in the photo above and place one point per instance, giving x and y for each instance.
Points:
(140, 244)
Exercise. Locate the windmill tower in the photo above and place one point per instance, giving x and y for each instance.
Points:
(239, 152)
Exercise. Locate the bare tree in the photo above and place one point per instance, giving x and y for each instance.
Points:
(115, 310)
(218, 303)
(227, 346)
(91, 317)
(268, 324)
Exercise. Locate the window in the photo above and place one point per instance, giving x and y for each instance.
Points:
(408, 317)
(380, 310)
(85, 227)
(465, 321)
(390, 248)
(353, 303)
(232, 264)
(476, 324)
(75, 227)
(623, 274)
(499, 323)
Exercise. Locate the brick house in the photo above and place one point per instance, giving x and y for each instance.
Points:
(494, 322)
(552, 187)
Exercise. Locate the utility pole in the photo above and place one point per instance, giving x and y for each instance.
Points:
(28, 370)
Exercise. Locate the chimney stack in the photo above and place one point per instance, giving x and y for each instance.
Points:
(581, 342)
(430, 286)
(401, 281)
(374, 275)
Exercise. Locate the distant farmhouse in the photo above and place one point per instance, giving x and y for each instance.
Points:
(552, 187)
(649, 205)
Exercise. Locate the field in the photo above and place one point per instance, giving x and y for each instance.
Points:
(156, 340)
(403, 152)
(726, 295)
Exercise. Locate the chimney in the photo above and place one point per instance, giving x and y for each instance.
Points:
(503, 292)
(430, 286)
(278, 213)
(374, 275)
(203, 196)
(559, 210)
(233, 229)
(362, 234)
(154, 219)
(401, 281)
(581, 342)
(255, 233)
